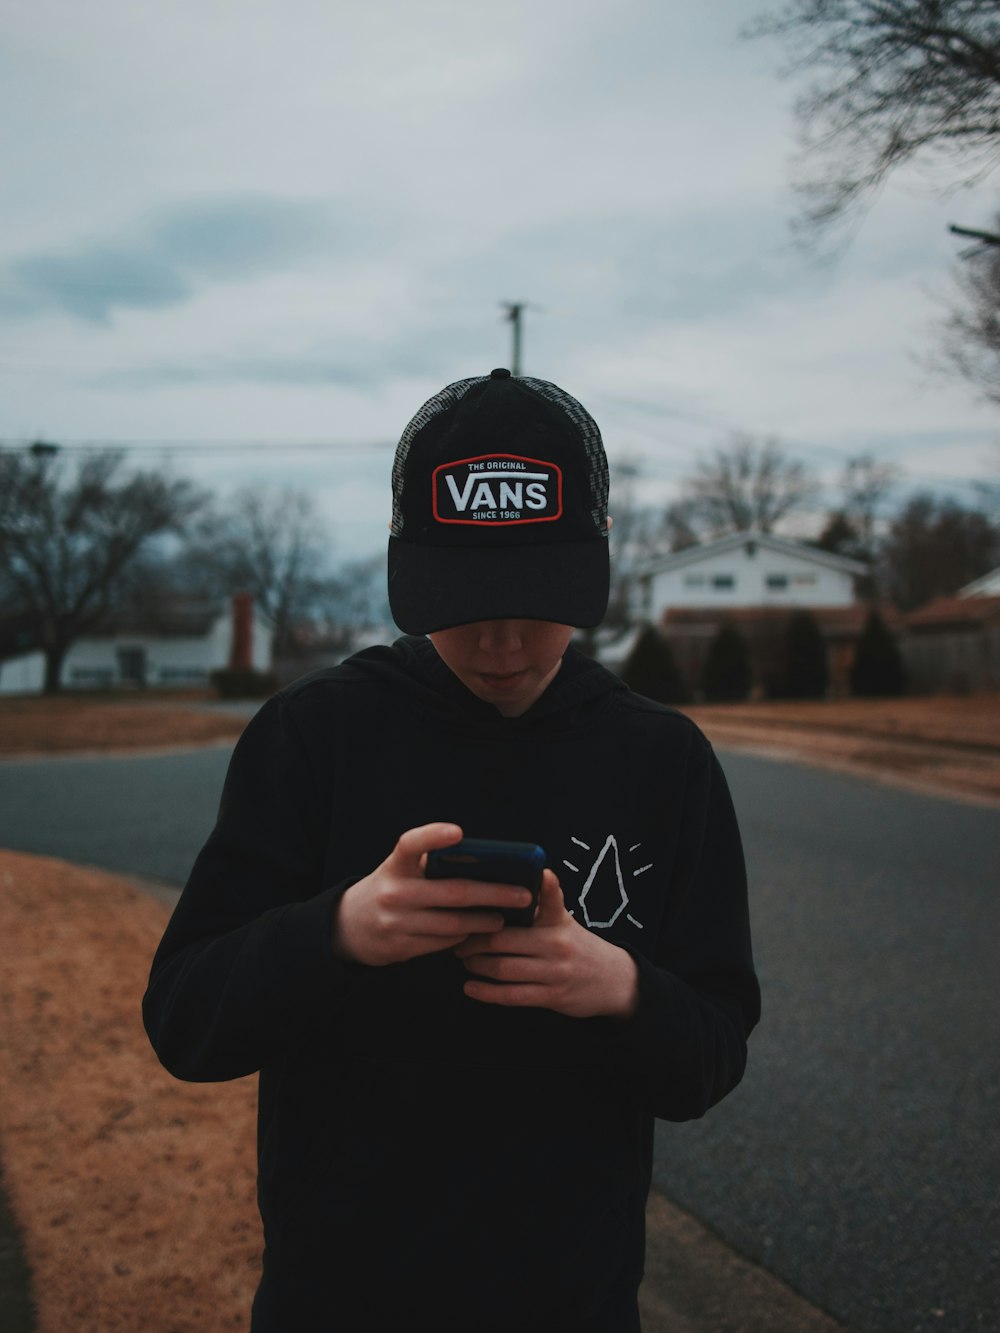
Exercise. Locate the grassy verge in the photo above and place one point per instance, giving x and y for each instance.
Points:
(67, 723)
(135, 1193)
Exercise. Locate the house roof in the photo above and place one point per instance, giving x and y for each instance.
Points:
(692, 555)
(954, 613)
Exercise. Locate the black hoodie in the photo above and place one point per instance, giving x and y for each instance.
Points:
(426, 1160)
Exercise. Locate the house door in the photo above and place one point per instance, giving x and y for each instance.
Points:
(132, 667)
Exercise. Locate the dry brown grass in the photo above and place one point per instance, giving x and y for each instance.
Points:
(135, 1193)
(972, 720)
(940, 744)
(73, 723)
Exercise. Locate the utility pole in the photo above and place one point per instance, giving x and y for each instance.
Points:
(514, 310)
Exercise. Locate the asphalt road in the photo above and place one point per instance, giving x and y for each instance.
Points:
(146, 815)
(858, 1160)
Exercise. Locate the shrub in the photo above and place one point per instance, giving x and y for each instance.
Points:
(807, 675)
(727, 674)
(878, 666)
(243, 684)
(650, 669)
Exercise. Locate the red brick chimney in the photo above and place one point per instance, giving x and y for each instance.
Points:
(241, 653)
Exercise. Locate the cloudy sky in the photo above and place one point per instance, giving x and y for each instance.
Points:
(247, 238)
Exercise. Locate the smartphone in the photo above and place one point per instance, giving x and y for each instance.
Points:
(495, 862)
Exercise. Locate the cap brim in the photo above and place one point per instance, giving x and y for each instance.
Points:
(438, 587)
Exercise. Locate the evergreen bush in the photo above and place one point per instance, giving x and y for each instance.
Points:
(727, 675)
(243, 684)
(807, 674)
(651, 669)
(878, 665)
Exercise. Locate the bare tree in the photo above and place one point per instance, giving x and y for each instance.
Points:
(268, 543)
(856, 527)
(866, 486)
(356, 598)
(69, 534)
(749, 484)
(638, 534)
(680, 523)
(935, 546)
(895, 81)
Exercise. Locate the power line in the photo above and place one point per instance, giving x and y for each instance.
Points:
(233, 447)
(826, 451)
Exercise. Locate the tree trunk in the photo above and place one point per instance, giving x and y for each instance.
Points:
(55, 655)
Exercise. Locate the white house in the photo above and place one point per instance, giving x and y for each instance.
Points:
(174, 649)
(749, 569)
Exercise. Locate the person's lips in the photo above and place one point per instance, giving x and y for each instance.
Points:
(504, 681)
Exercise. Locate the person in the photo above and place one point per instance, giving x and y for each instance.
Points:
(456, 1116)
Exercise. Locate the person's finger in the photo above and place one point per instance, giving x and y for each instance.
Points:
(551, 906)
(511, 996)
(512, 939)
(477, 942)
(405, 857)
(511, 969)
(438, 921)
(474, 894)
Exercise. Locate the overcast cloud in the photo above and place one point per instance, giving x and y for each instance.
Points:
(292, 222)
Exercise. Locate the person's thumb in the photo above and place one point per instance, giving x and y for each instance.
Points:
(551, 907)
(407, 856)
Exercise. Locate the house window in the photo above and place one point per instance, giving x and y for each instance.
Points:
(777, 582)
(723, 581)
(92, 675)
(804, 580)
(694, 580)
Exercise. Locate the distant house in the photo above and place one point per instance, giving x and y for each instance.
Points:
(173, 647)
(755, 581)
(749, 569)
(953, 643)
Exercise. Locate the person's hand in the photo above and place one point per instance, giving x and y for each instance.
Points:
(554, 964)
(395, 914)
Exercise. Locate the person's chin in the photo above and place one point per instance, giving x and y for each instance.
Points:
(503, 688)
(510, 684)
(511, 694)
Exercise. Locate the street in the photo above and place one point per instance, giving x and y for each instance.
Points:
(858, 1160)
(859, 1157)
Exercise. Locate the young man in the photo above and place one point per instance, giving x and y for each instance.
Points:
(455, 1126)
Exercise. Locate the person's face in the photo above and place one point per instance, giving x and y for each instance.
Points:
(507, 663)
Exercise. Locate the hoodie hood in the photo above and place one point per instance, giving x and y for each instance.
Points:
(412, 664)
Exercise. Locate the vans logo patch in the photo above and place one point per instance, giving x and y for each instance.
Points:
(497, 489)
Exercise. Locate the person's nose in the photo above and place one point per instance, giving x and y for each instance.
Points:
(500, 636)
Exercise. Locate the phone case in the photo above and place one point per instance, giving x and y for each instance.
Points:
(495, 862)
